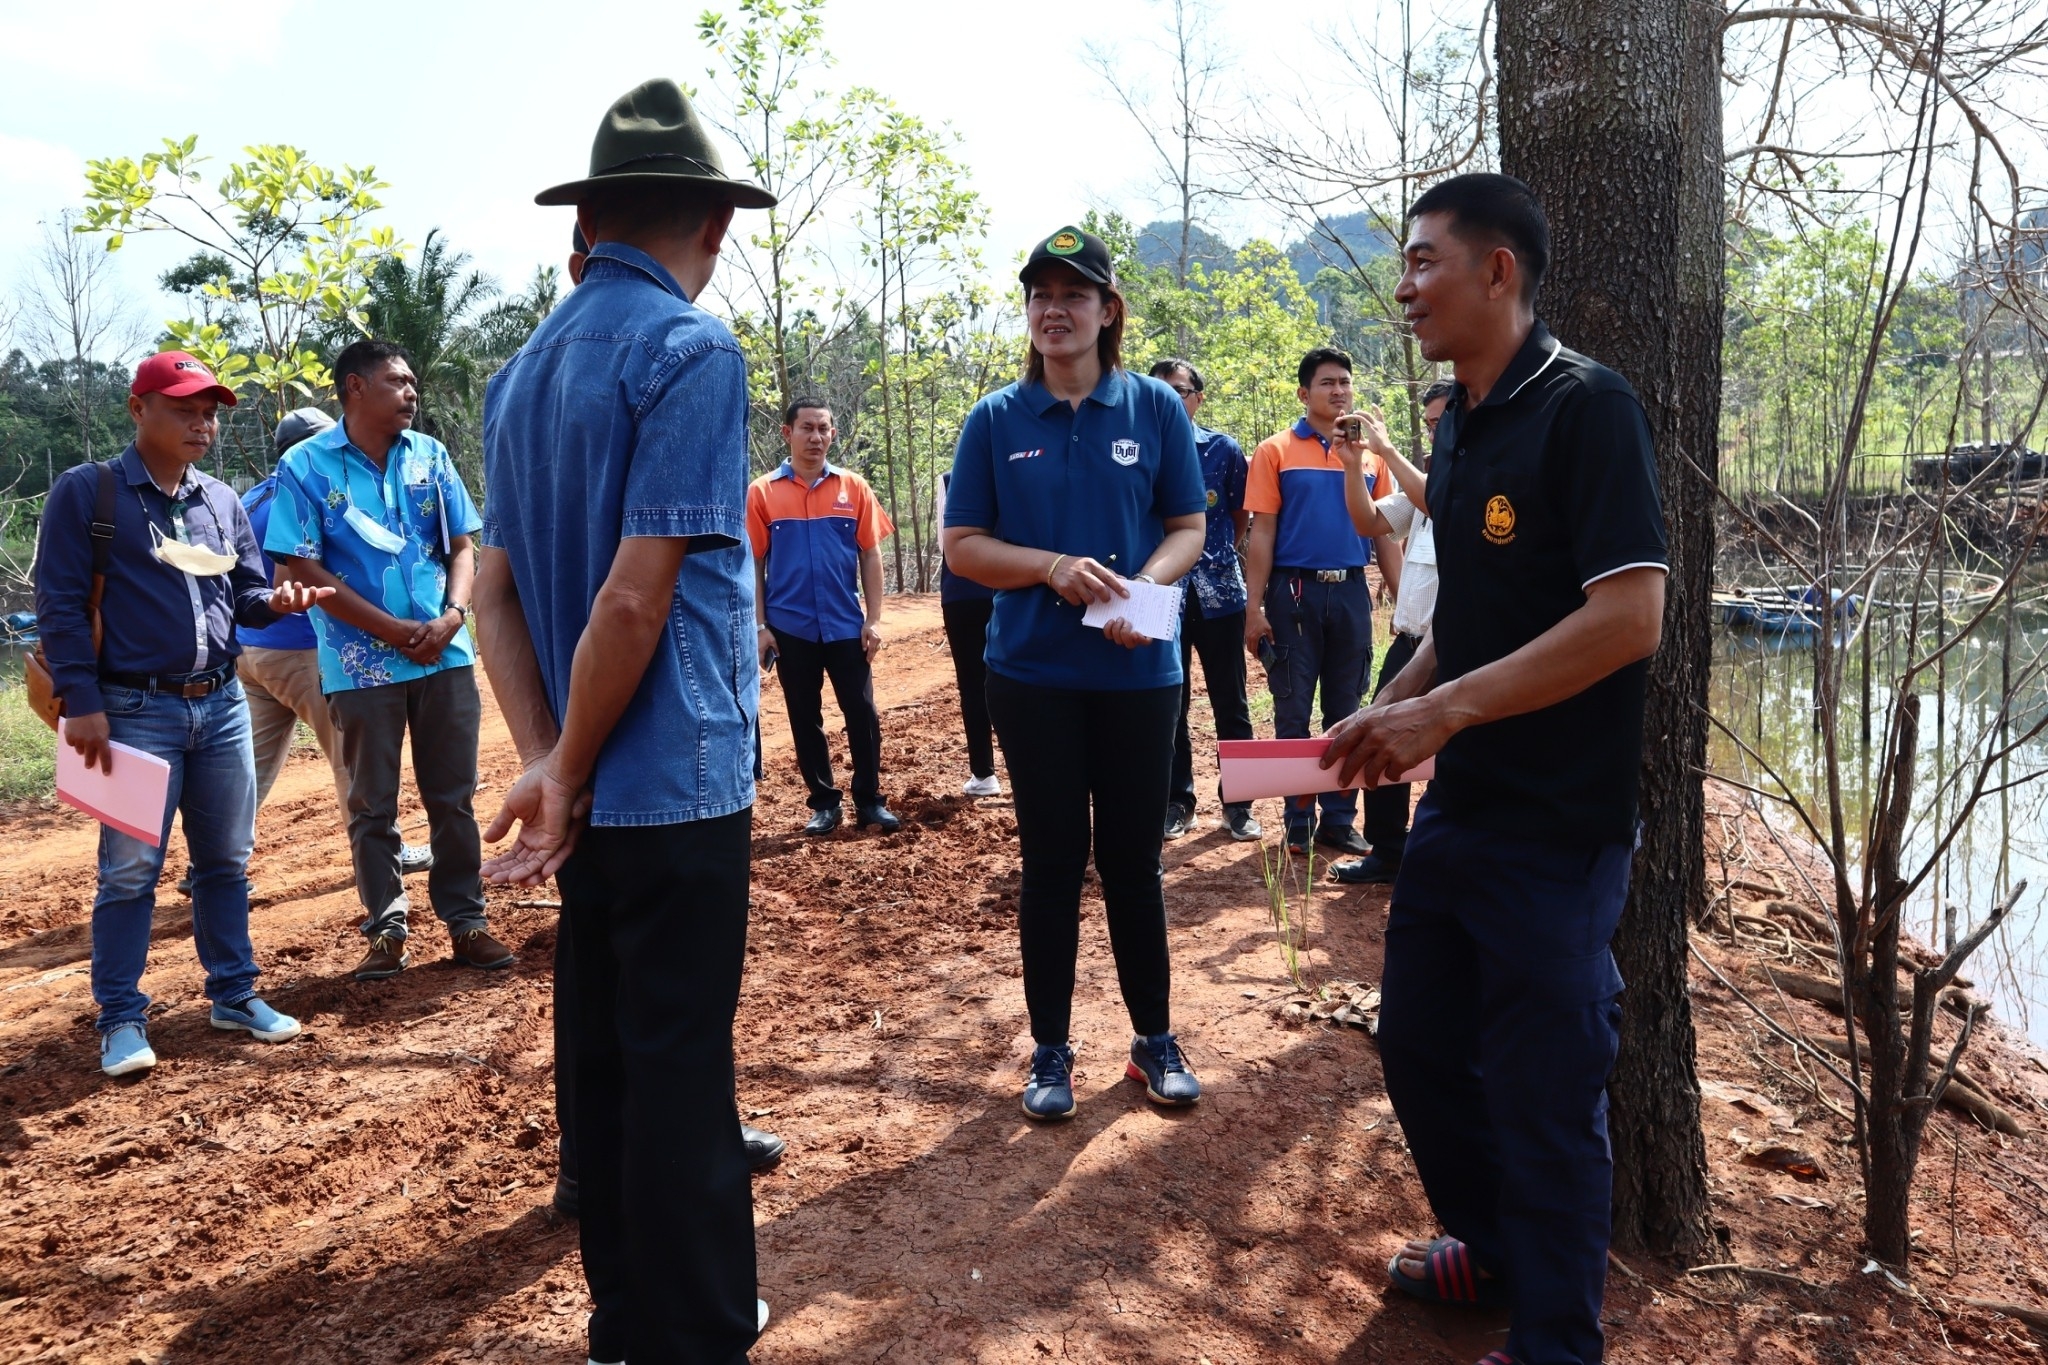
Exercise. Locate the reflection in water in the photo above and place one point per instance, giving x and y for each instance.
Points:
(1763, 690)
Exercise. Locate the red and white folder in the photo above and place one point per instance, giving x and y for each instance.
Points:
(1256, 768)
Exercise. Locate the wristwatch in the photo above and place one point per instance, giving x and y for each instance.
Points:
(458, 608)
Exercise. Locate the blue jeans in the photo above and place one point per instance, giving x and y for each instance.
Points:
(1322, 637)
(213, 782)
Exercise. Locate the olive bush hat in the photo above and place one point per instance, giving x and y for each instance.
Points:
(651, 135)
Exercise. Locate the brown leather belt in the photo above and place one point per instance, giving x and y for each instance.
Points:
(176, 684)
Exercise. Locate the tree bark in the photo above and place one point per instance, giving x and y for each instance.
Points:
(1610, 109)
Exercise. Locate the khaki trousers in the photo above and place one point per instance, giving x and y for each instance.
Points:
(284, 688)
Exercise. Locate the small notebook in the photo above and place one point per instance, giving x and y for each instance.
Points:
(1152, 609)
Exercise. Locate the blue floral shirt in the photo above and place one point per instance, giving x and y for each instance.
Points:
(418, 495)
(1217, 580)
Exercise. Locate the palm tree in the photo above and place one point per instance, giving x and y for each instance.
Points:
(432, 309)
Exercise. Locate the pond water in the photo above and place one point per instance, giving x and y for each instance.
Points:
(1763, 690)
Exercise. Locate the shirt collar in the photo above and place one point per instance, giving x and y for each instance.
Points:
(625, 258)
(137, 474)
(336, 438)
(787, 470)
(1108, 393)
(1306, 432)
(1536, 355)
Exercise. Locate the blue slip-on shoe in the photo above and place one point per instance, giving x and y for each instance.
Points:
(1158, 1063)
(254, 1017)
(1049, 1093)
(125, 1050)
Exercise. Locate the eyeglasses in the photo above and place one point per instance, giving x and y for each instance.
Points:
(1185, 393)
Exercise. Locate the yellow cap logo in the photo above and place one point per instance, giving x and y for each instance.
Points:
(1500, 519)
(1064, 243)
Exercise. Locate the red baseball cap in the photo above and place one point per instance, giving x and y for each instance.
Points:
(177, 375)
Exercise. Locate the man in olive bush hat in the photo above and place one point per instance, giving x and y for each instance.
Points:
(615, 604)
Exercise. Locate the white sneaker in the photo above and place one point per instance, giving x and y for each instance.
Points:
(983, 786)
(760, 1315)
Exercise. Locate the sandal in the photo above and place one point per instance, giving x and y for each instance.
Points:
(1498, 1358)
(1450, 1277)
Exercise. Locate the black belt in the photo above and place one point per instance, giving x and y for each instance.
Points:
(176, 684)
(1325, 575)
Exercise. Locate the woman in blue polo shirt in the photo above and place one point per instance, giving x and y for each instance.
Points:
(1078, 475)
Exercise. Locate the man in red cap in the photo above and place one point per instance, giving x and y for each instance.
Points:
(143, 569)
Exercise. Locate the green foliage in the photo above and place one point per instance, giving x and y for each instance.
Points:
(291, 241)
(28, 751)
(39, 427)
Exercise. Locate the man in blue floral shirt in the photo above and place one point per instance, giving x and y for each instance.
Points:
(1212, 613)
(376, 511)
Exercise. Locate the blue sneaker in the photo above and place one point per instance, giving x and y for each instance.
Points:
(253, 1016)
(1049, 1093)
(125, 1050)
(1157, 1062)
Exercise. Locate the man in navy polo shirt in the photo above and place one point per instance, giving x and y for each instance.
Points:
(1501, 1008)
(1309, 615)
(817, 531)
(1212, 610)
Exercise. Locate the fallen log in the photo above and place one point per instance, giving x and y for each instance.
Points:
(2033, 1317)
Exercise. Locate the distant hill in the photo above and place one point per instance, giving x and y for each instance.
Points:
(1159, 245)
(1313, 252)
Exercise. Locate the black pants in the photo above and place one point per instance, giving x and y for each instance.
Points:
(967, 637)
(1220, 642)
(1386, 808)
(442, 712)
(804, 667)
(1066, 749)
(657, 918)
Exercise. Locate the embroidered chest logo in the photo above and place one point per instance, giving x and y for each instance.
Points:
(1500, 520)
(1212, 497)
(1124, 452)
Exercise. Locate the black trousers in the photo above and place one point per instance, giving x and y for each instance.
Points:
(1220, 642)
(1065, 750)
(967, 638)
(804, 668)
(441, 712)
(1386, 808)
(657, 922)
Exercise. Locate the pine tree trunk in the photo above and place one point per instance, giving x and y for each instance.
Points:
(1610, 110)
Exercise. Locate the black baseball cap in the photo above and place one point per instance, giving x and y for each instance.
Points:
(1070, 246)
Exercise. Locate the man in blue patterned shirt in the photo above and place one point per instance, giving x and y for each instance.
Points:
(376, 511)
(1212, 614)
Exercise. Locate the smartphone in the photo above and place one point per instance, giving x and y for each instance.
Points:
(1268, 656)
(1351, 428)
(768, 663)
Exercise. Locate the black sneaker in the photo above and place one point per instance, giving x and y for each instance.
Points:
(1158, 1063)
(1343, 838)
(1298, 837)
(1179, 820)
(1371, 870)
(1238, 820)
(1049, 1092)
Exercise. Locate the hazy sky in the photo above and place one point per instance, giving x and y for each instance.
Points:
(469, 108)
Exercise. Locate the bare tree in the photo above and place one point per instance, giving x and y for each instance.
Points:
(74, 314)
(1178, 125)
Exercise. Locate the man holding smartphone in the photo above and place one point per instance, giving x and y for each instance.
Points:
(1309, 614)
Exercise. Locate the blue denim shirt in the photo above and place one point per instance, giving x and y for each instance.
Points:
(1217, 580)
(625, 415)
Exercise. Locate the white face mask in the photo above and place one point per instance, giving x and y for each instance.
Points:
(374, 533)
(196, 560)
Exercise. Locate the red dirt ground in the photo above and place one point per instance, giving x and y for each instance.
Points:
(378, 1190)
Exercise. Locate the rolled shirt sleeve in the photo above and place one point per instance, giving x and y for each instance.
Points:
(688, 476)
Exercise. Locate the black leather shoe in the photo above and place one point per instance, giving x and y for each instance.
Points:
(1343, 838)
(763, 1149)
(824, 821)
(877, 814)
(1371, 870)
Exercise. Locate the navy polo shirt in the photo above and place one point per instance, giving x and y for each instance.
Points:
(1543, 489)
(1100, 481)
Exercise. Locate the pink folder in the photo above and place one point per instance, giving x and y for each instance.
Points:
(1255, 768)
(131, 798)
